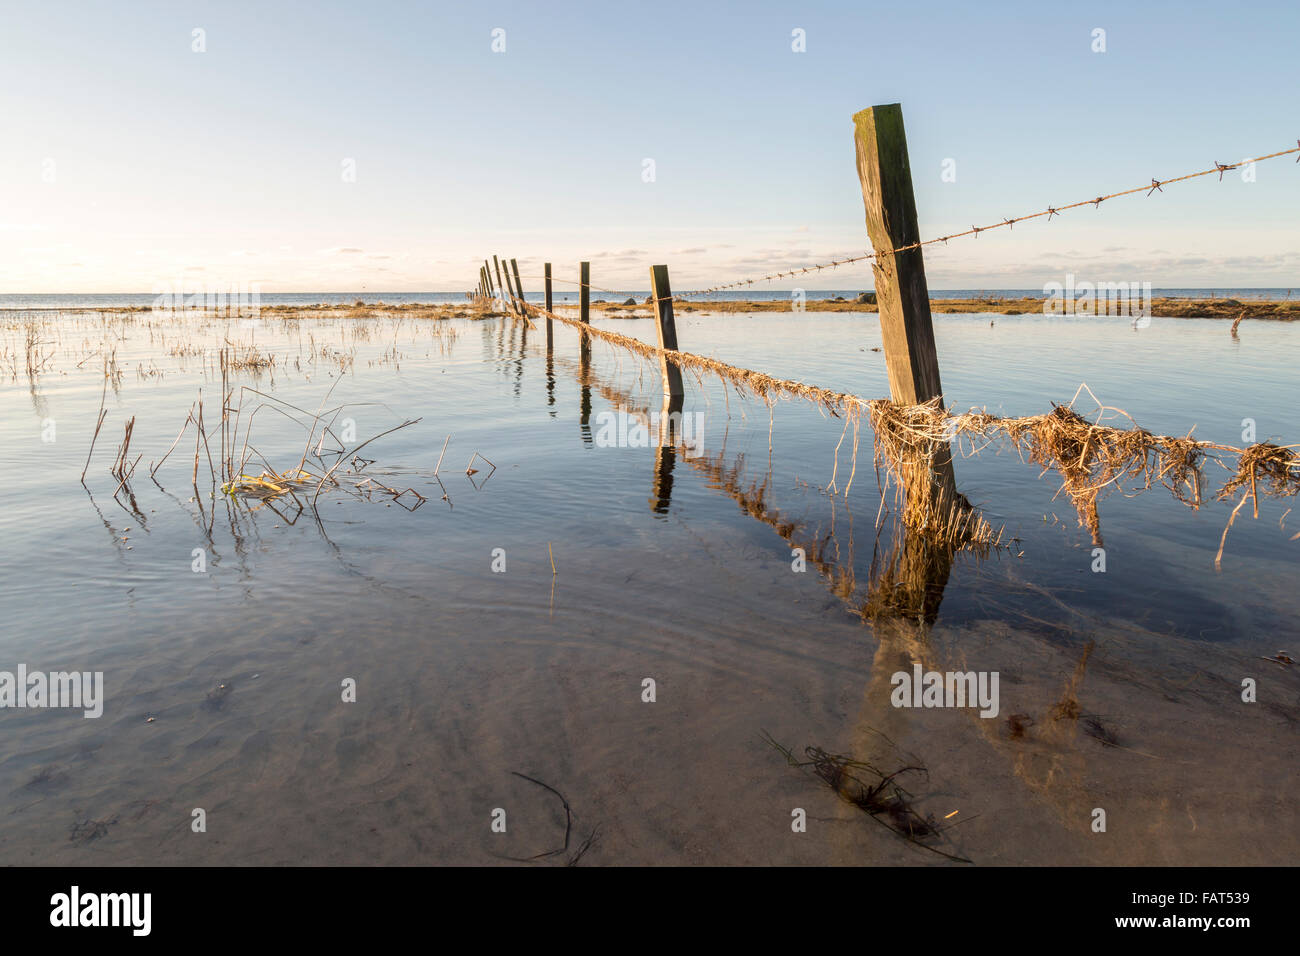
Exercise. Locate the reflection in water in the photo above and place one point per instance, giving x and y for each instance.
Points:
(584, 376)
(661, 491)
(908, 571)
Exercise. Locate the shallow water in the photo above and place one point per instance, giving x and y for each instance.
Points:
(223, 686)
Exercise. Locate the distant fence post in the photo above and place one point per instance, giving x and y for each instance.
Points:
(510, 286)
(519, 288)
(666, 326)
(501, 286)
(487, 274)
(550, 334)
(584, 291)
(901, 292)
(584, 316)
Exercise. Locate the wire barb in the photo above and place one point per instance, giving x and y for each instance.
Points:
(1156, 185)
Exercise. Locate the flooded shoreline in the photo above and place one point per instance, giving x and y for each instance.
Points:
(224, 686)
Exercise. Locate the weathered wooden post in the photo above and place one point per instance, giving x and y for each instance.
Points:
(584, 316)
(513, 286)
(487, 272)
(901, 292)
(519, 288)
(550, 333)
(666, 327)
(501, 286)
(584, 291)
(510, 289)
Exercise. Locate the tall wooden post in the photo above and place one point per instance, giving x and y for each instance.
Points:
(901, 290)
(487, 272)
(901, 293)
(550, 334)
(501, 286)
(519, 288)
(666, 326)
(513, 296)
(584, 316)
(584, 291)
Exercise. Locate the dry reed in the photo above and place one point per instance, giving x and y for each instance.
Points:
(1091, 458)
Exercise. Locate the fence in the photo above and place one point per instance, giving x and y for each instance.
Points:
(914, 431)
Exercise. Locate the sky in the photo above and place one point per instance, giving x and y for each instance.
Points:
(389, 147)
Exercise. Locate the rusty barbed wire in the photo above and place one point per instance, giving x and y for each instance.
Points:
(1154, 186)
(1049, 212)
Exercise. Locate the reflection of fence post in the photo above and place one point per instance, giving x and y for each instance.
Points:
(901, 293)
(549, 331)
(666, 326)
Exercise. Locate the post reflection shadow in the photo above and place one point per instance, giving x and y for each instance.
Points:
(908, 572)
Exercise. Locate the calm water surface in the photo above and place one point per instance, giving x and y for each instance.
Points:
(223, 686)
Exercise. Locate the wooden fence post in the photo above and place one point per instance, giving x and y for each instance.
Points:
(519, 288)
(666, 326)
(550, 334)
(510, 286)
(501, 287)
(901, 292)
(584, 291)
(487, 272)
(584, 316)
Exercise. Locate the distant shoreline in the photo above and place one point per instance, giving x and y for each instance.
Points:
(1165, 307)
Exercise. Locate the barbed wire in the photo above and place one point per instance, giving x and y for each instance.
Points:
(1156, 185)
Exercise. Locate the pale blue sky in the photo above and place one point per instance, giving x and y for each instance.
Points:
(226, 165)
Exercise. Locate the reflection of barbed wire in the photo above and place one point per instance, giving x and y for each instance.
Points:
(1156, 185)
(1091, 457)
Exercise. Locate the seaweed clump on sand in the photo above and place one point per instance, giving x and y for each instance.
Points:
(873, 791)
